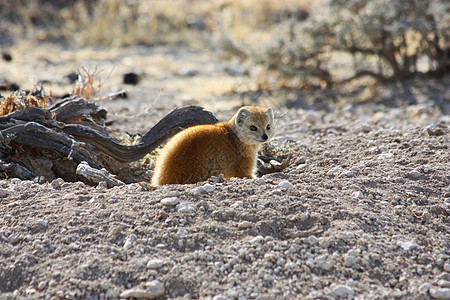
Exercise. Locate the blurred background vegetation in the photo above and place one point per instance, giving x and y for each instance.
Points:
(297, 43)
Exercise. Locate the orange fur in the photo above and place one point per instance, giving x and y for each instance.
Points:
(229, 148)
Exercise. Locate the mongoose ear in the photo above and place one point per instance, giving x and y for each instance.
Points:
(242, 115)
(269, 112)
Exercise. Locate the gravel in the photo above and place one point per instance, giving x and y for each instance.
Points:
(355, 222)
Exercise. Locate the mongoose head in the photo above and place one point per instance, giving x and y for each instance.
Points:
(254, 125)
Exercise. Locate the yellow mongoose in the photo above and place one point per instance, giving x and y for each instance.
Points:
(229, 148)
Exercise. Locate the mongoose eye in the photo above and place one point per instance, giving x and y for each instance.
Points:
(268, 127)
(253, 128)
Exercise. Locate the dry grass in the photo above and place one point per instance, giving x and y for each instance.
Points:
(20, 99)
(117, 22)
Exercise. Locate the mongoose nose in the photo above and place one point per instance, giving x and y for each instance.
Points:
(264, 137)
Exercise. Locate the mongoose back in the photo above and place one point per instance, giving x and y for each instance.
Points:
(229, 148)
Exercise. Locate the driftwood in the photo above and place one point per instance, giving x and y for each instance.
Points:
(74, 130)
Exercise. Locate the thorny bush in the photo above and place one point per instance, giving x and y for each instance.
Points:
(384, 39)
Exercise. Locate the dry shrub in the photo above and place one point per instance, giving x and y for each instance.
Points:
(345, 40)
(88, 84)
(19, 100)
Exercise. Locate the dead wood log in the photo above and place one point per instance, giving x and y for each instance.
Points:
(38, 136)
(168, 126)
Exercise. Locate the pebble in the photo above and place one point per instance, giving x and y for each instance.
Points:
(257, 240)
(155, 264)
(447, 266)
(407, 245)
(185, 207)
(343, 290)
(208, 187)
(188, 72)
(152, 290)
(358, 195)
(5, 192)
(261, 181)
(182, 232)
(312, 240)
(349, 235)
(285, 184)
(323, 263)
(237, 204)
(347, 173)
(170, 201)
(42, 285)
(334, 171)
(245, 224)
(423, 288)
(198, 190)
(414, 174)
(439, 293)
(384, 156)
(56, 183)
(128, 244)
(260, 207)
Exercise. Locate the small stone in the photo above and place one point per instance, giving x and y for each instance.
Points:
(5, 192)
(187, 72)
(434, 130)
(366, 128)
(423, 288)
(56, 183)
(334, 171)
(198, 190)
(414, 174)
(347, 173)
(260, 207)
(312, 240)
(323, 263)
(245, 224)
(208, 187)
(407, 245)
(257, 240)
(152, 290)
(358, 195)
(128, 244)
(237, 204)
(185, 207)
(131, 78)
(261, 181)
(42, 285)
(384, 156)
(343, 291)
(349, 235)
(324, 242)
(447, 266)
(285, 184)
(182, 232)
(426, 216)
(439, 293)
(170, 201)
(349, 260)
(444, 283)
(155, 264)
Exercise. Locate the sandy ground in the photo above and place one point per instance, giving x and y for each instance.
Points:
(361, 212)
